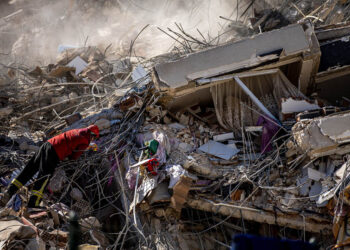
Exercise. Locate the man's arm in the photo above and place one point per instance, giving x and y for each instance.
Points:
(78, 151)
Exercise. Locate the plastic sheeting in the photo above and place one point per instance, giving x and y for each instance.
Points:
(234, 108)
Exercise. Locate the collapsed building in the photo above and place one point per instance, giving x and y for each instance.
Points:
(247, 137)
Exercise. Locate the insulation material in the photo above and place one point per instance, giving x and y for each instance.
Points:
(235, 109)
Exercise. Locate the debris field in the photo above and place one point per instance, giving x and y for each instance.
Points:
(215, 138)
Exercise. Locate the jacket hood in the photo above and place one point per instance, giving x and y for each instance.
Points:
(95, 130)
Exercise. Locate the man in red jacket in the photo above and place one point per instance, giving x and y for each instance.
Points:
(69, 144)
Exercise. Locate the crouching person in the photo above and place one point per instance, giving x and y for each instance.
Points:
(69, 144)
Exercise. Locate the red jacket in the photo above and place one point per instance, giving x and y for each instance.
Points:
(71, 143)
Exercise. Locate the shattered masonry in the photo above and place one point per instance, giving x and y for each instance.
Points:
(208, 141)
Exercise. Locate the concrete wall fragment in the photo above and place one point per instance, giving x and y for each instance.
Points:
(323, 136)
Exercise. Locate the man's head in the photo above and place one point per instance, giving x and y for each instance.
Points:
(94, 131)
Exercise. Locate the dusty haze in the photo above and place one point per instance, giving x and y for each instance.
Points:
(45, 24)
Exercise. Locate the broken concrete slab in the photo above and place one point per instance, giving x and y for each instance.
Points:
(219, 150)
(323, 136)
(336, 127)
(13, 229)
(310, 223)
(196, 163)
(291, 105)
(291, 39)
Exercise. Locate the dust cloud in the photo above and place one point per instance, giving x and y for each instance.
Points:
(46, 24)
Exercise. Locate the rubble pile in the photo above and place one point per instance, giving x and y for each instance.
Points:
(196, 146)
(64, 97)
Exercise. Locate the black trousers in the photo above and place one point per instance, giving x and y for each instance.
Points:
(44, 161)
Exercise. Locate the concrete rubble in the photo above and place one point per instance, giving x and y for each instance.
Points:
(196, 146)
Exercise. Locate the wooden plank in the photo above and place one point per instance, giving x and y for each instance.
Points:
(305, 75)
